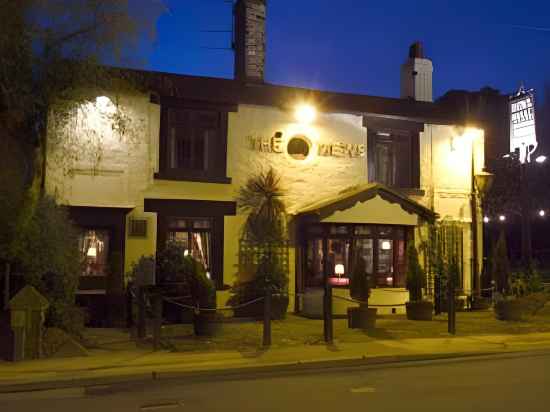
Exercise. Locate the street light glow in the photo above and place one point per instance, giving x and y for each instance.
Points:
(502, 218)
(540, 159)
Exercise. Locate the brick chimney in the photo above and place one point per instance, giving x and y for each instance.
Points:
(250, 40)
(416, 75)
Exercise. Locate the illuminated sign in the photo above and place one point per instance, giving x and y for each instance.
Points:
(277, 144)
(523, 136)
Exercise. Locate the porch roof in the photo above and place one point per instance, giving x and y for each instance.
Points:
(348, 198)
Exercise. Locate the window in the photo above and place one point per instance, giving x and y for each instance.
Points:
(193, 144)
(382, 247)
(94, 252)
(393, 152)
(195, 238)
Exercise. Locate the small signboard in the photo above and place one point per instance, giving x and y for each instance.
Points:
(523, 135)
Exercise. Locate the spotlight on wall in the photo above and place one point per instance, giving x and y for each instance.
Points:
(305, 113)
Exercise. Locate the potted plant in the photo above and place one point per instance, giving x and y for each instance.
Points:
(206, 321)
(417, 308)
(361, 317)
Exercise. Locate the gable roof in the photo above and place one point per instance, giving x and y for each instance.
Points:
(362, 193)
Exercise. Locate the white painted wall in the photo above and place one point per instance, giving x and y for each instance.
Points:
(125, 175)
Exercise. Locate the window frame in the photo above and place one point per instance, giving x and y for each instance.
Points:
(216, 153)
(324, 234)
(396, 132)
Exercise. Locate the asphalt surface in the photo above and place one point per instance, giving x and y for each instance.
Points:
(486, 384)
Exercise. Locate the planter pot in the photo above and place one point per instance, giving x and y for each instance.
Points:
(361, 318)
(422, 310)
(279, 306)
(509, 310)
(480, 303)
(207, 324)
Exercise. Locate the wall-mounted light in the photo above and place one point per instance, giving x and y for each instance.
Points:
(305, 113)
(186, 252)
(540, 159)
(105, 105)
(502, 218)
(339, 269)
(92, 252)
(542, 213)
(486, 219)
(386, 245)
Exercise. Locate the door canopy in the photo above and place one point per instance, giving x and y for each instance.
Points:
(372, 203)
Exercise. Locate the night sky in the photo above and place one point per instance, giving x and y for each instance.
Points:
(358, 45)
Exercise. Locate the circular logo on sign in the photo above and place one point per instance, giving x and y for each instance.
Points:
(298, 147)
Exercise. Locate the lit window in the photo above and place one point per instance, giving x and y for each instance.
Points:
(94, 252)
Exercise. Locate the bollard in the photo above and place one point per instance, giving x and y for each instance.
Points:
(157, 310)
(451, 310)
(129, 307)
(327, 314)
(267, 317)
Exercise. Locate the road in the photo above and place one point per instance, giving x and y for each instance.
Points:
(487, 384)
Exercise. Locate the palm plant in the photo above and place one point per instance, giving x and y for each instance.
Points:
(261, 198)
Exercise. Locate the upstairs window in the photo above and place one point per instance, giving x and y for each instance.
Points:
(393, 155)
(193, 144)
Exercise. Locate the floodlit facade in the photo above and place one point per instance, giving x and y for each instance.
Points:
(363, 176)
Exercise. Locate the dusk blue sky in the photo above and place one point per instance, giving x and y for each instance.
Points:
(358, 45)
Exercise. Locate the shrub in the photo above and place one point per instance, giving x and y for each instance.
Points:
(416, 277)
(50, 261)
(509, 309)
(500, 266)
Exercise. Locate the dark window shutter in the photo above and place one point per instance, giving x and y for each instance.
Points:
(402, 161)
(415, 160)
(371, 155)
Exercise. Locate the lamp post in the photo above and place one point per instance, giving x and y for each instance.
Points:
(481, 184)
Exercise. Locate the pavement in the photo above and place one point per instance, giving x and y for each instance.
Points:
(104, 368)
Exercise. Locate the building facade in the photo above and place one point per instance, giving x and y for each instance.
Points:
(363, 175)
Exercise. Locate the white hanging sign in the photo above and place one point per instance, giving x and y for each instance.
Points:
(523, 135)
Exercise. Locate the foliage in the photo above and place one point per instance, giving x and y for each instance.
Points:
(359, 284)
(261, 199)
(141, 268)
(202, 288)
(517, 309)
(50, 55)
(174, 266)
(416, 276)
(50, 261)
(500, 267)
(171, 263)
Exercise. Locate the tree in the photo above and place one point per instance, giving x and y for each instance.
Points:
(416, 276)
(500, 267)
(51, 56)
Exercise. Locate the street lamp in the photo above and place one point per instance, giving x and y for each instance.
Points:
(481, 183)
